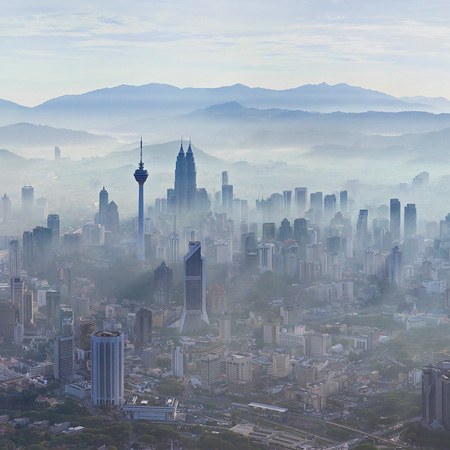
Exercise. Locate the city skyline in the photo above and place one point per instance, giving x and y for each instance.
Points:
(383, 46)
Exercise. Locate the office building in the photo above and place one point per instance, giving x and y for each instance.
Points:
(300, 198)
(53, 309)
(194, 315)
(225, 329)
(239, 368)
(87, 328)
(287, 198)
(178, 362)
(227, 198)
(143, 328)
(436, 395)
(103, 201)
(343, 202)
(329, 206)
(63, 358)
(42, 247)
(140, 175)
(14, 259)
(163, 284)
(28, 313)
(28, 252)
(54, 224)
(410, 221)
(17, 297)
(395, 213)
(107, 368)
(27, 201)
(209, 370)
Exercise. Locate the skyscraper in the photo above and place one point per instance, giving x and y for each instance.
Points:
(436, 395)
(103, 206)
(14, 258)
(287, 197)
(343, 202)
(191, 177)
(185, 187)
(143, 328)
(27, 201)
(54, 224)
(107, 368)
(63, 358)
(141, 175)
(53, 309)
(180, 186)
(329, 203)
(300, 194)
(410, 220)
(163, 284)
(395, 219)
(28, 252)
(194, 314)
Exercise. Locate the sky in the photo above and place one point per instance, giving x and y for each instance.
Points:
(52, 48)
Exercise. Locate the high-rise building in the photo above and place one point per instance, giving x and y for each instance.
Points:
(329, 206)
(107, 368)
(63, 358)
(6, 208)
(28, 252)
(268, 232)
(227, 198)
(17, 297)
(300, 194)
(112, 218)
(395, 267)
(66, 321)
(191, 174)
(103, 201)
(410, 220)
(163, 284)
(141, 175)
(209, 370)
(395, 213)
(285, 231)
(343, 202)
(143, 328)
(14, 258)
(27, 201)
(54, 224)
(225, 328)
(194, 312)
(28, 313)
(42, 246)
(362, 235)
(239, 368)
(287, 197)
(436, 395)
(53, 309)
(178, 362)
(57, 153)
(87, 328)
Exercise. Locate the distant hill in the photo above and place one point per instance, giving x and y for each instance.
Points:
(110, 107)
(27, 135)
(158, 155)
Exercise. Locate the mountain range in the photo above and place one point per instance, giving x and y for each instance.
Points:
(108, 107)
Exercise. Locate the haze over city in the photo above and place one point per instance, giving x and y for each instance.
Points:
(224, 225)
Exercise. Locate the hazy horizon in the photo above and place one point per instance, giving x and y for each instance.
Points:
(51, 49)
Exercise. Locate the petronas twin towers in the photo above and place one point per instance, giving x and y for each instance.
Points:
(185, 182)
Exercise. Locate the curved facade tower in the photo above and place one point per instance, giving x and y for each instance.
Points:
(194, 313)
(141, 175)
(107, 368)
